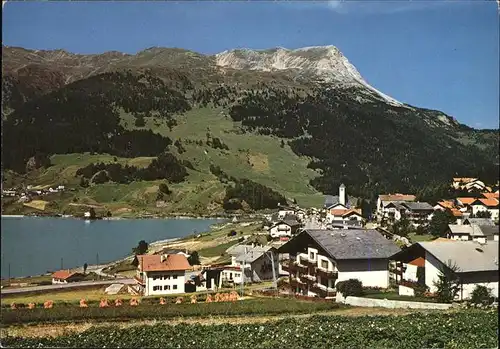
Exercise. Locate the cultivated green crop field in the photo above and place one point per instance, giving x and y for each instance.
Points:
(467, 329)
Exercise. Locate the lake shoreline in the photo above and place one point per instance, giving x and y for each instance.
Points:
(157, 232)
(117, 218)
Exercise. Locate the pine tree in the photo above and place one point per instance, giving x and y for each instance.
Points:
(447, 284)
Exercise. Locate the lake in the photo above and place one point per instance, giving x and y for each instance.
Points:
(35, 245)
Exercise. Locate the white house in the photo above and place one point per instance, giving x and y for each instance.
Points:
(284, 228)
(321, 258)
(418, 212)
(285, 211)
(341, 208)
(162, 274)
(483, 205)
(477, 264)
(385, 210)
(474, 232)
(256, 261)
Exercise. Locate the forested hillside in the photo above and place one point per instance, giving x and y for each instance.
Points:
(330, 135)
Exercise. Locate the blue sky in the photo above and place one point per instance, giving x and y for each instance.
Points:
(440, 55)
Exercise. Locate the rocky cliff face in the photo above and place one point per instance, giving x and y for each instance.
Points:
(322, 63)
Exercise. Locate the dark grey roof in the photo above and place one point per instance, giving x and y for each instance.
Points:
(253, 254)
(331, 200)
(418, 206)
(354, 243)
(290, 217)
(348, 223)
(397, 204)
(479, 221)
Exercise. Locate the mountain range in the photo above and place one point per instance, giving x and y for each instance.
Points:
(292, 124)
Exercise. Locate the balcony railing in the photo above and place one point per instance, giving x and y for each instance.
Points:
(322, 290)
(327, 274)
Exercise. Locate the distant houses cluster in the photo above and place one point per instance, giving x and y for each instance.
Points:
(486, 204)
(26, 194)
(309, 251)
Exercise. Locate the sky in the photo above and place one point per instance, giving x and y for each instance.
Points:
(441, 55)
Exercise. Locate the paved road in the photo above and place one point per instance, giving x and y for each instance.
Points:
(66, 286)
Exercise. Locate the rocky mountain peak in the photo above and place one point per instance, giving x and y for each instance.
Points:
(324, 63)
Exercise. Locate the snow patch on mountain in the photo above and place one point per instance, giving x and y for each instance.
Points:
(326, 63)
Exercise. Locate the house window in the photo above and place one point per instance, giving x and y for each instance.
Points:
(324, 264)
(166, 287)
(230, 276)
(155, 277)
(174, 277)
(311, 255)
(166, 277)
(156, 288)
(174, 287)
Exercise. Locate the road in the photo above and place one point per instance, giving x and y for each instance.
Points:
(66, 286)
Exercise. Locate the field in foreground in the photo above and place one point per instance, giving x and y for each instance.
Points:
(150, 309)
(465, 329)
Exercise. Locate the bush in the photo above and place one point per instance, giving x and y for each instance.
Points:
(351, 287)
(481, 295)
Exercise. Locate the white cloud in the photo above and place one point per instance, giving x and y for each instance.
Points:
(369, 7)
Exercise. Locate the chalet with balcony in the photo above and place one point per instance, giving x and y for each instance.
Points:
(285, 227)
(418, 212)
(318, 259)
(477, 264)
(389, 206)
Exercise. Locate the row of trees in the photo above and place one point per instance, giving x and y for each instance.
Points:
(165, 166)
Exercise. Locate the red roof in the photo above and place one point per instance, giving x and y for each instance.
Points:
(489, 202)
(419, 262)
(466, 201)
(397, 197)
(171, 262)
(491, 195)
(446, 204)
(62, 274)
(464, 179)
(345, 213)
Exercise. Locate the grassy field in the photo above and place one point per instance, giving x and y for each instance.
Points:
(256, 157)
(420, 238)
(393, 295)
(29, 280)
(37, 204)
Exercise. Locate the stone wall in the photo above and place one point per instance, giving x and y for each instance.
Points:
(385, 303)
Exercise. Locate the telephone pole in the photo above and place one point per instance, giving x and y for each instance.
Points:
(243, 272)
(271, 256)
(62, 263)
